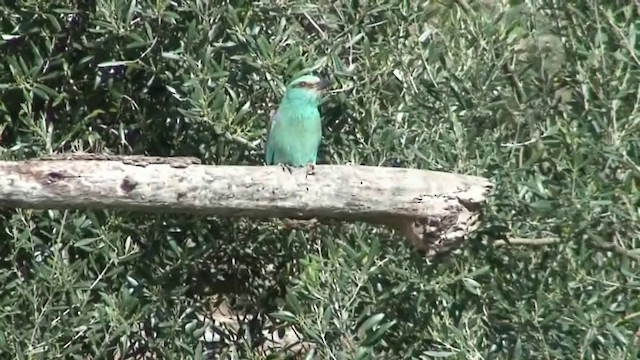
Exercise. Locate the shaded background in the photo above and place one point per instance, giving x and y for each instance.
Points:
(541, 99)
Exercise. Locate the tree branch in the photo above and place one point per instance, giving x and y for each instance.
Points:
(529, 242)
(434, 210)
(607, 246)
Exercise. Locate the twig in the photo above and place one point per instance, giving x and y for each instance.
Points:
(517, 85)
(633, 253)
(530, 141)
(528, 242)
(315, 25)
(610, 246)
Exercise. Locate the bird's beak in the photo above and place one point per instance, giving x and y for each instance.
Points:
(323, 84)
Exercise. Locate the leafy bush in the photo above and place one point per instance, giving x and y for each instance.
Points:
(541, 97)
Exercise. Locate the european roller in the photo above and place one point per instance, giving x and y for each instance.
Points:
(295, 130)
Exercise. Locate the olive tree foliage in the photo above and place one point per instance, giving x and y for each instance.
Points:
(539, 96)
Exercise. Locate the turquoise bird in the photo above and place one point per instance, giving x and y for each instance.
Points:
(295, 130)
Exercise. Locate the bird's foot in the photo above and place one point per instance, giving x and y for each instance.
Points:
(286, 167)
(311, 169)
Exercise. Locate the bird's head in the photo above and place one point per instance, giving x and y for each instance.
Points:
(306, 88)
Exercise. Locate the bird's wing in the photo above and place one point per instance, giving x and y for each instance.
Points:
(269, 150)
(271, 122)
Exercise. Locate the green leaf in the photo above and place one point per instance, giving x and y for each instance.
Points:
(115, 63)
(438, 354)
(284, 315)
(372, 321)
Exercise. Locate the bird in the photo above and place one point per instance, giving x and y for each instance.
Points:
(294, 131)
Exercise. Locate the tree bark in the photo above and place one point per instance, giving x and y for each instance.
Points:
(433, 209)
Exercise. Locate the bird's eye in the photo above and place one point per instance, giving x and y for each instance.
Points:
(303, 84)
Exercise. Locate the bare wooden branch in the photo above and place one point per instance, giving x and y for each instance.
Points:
(434, 210)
